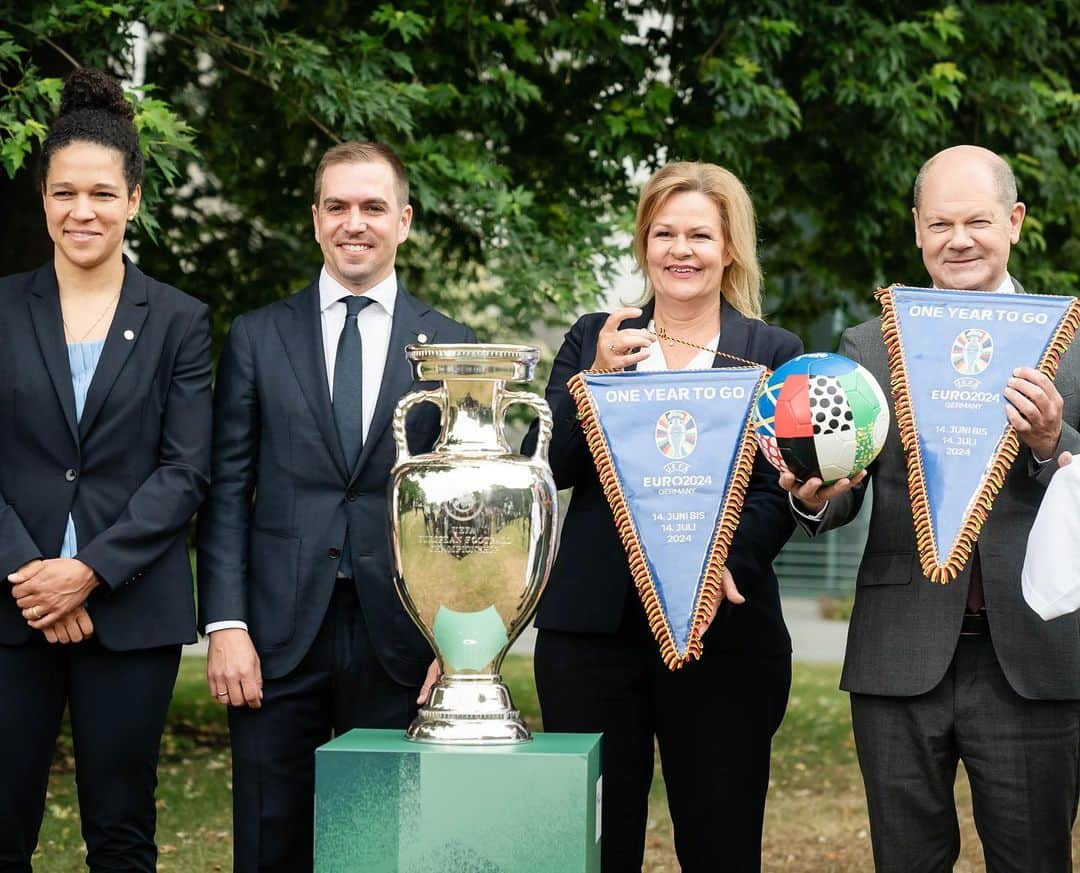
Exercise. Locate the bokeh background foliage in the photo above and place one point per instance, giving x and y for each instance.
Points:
(528, 126)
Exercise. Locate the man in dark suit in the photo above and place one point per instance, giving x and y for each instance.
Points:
(307, 636)
(965, 671)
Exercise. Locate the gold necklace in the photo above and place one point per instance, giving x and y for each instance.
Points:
(68, 331)
(662, 333)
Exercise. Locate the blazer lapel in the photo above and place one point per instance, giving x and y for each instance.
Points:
(44, 301)
(397, 377)
(123, 335)
(301, 333)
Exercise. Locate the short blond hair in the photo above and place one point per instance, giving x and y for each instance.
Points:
(741, 284)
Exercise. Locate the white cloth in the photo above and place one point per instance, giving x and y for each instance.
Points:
(374, 323)
(1050, 579)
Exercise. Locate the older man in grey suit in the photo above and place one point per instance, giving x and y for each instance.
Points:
(966, 671)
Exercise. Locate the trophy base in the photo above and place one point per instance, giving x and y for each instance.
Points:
(469, 710)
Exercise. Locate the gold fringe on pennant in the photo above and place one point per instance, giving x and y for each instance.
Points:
(708, 597)
(1004, 455)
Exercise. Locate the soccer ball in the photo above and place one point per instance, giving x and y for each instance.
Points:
(821, 415)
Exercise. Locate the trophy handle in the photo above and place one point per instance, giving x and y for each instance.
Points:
(543, 413)
(436, 396)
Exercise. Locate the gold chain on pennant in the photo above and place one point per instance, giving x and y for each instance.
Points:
(661, 333)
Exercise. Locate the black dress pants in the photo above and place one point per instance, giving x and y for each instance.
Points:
(118, 702)
(339, 685)
(713, 721)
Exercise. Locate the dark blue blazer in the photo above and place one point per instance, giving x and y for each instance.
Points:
(591, 580)
(281, 494)
(131, 472)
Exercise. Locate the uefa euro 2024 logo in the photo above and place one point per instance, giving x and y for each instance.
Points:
(676, 434)
(972, 351)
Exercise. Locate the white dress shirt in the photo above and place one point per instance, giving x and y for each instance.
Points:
(374, 324)
(703, 360)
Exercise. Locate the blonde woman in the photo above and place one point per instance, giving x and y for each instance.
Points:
(598, 668)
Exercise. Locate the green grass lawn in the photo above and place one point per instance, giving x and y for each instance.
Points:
(815, 818)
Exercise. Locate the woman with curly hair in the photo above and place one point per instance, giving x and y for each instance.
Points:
(104, 456)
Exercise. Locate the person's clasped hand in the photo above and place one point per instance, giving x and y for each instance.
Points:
(50, 590)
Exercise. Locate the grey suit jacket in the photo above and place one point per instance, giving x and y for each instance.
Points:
(904, 628)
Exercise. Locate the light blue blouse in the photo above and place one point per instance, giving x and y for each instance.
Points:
(83, 359)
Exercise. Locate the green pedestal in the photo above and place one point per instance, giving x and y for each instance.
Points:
(384, 804)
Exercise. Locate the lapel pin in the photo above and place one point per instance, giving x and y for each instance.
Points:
(129, 335)
(421, 337)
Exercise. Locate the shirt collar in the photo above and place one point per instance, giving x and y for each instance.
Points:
(1006, 286)
(331, 291)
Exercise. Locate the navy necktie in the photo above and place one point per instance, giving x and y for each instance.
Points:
(349, 400)
(349, 383)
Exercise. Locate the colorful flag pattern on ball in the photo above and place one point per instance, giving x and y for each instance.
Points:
(821, 415)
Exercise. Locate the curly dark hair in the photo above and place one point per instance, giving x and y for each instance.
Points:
(93, 109)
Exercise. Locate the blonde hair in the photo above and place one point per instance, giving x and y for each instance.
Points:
(741, 283)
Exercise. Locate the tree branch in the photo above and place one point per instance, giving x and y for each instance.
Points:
(51, 44)
(247, 74)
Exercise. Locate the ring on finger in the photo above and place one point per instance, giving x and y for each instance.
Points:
(35, 613)
(223, 694)
(611, 346)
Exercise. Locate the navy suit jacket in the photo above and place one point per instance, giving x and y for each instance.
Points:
(591, 579)
(281, 494)
(131, 471)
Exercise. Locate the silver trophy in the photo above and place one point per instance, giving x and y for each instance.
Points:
(473, 531)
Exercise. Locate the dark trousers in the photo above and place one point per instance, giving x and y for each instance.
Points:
(1021, 757)
(338, 686)
(117, 702)
(713, 721)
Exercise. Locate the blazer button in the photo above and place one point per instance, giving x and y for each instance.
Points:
(351, 495)
(334, 554)
(71, 475)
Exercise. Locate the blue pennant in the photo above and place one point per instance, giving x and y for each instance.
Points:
(674, 439)
(959, 350)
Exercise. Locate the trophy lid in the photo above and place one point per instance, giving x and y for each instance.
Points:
(508, 363)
